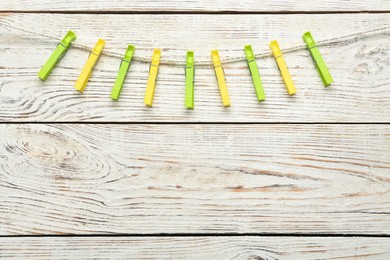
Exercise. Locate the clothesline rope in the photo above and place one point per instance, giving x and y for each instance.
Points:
(209, 63)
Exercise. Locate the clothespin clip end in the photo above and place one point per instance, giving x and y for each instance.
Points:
(308, 39)
(275, 48)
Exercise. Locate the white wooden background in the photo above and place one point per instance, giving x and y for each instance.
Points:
(304, 177)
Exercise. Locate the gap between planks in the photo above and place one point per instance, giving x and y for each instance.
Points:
(194, 12)
(205, 235)
(185, 123)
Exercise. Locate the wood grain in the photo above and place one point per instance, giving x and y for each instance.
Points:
(359, 67)
(195, 248)
(195, 180)
(136, 179)
(194, 6)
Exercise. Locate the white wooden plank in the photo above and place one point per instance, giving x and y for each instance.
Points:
(138, 179)
(194, 248)
(195, 5)
(359, 67)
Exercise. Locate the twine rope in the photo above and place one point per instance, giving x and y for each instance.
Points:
(226, 60)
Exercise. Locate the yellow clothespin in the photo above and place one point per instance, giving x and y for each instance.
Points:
(153, 71)
(283, 68)
(82, 81)
(220, 78)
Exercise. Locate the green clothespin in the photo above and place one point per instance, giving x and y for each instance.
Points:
(124, 67)
(318, 60)
(255, 73)
(55, 57)
(190, 75)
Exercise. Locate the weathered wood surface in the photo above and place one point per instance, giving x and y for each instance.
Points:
(359, 67)
(136, 179)
(252, 248)
(212, 179)
(195, 5)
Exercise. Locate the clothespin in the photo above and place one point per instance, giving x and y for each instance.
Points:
(283, 68)
(58, 53)
(123, 68)
(318, 60)
(255, 73)
(153, 71)
(190, 75)
(220, 78)
(82, 81)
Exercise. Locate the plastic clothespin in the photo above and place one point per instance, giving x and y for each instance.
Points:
(190, 76)
(283, 68)
(153, 71)
(220, 78)
(58, 53)
(255, 73)
(82, 81)
(318, 60)
(123, 68)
